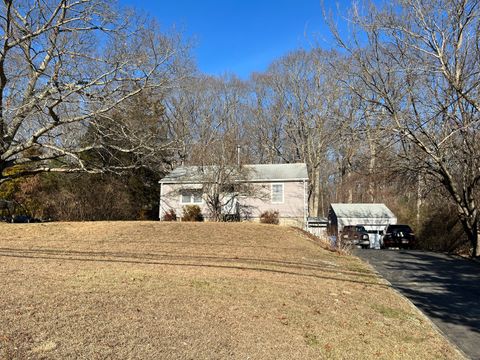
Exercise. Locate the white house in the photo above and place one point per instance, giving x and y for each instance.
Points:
(281, 187)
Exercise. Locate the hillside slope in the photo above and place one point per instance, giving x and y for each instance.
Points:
(154, 290)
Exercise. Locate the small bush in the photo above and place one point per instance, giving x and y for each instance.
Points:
(269, 217)
(192, 213)
(170, 215)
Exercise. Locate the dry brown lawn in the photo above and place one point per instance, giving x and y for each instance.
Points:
(149, 290)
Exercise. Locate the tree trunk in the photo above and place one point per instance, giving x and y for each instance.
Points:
(476, 248)
(419, 200)
(313, 196)
(473, 237)
(350, 189)
(321, 205)
(371, 167)
(471, 229)
(474, 240)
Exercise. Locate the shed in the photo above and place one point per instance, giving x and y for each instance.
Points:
(374, 217)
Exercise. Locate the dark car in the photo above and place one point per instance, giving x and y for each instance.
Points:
(355, 235)
(399, 236)
(24, 219)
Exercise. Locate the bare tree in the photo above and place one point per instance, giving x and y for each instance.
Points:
(208, 116)
(418, 64)
(63, 65)
(224, 187)
(296, 107)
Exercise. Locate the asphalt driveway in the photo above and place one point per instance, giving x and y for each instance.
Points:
(446, 288)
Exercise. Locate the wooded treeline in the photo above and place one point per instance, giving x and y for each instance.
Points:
(95, 110)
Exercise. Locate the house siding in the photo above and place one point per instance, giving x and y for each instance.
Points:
(171, 199)
(291, 210)
(291, 207)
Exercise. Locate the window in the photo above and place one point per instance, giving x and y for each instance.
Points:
(186, 197)
(277, 193)
(191, 197)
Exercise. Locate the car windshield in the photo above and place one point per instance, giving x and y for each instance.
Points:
(397, 228)
(360, 229)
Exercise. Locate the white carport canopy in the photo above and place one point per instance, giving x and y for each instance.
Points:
(372, 216)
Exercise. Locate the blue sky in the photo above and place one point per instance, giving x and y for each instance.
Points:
(242, 36)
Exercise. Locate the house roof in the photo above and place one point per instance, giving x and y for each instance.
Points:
(296, 171)
(255, 173)
(377, 211)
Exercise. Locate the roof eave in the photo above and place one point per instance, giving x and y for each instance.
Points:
(251, 180)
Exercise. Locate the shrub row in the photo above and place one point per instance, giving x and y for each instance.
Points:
(190, 213)
(194, 213)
